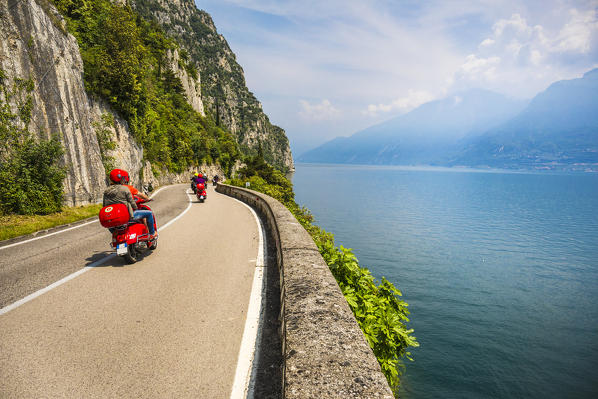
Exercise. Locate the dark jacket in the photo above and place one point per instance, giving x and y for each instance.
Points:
(118, 194)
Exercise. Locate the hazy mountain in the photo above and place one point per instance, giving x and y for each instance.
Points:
(557, 130)
(426, 135)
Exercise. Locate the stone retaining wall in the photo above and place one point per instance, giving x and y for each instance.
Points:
(325, 354)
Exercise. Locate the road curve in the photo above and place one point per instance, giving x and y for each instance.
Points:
(167, 326)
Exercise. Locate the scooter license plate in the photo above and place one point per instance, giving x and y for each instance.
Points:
(121, 249)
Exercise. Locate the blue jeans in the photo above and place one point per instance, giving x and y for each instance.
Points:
(148, 216)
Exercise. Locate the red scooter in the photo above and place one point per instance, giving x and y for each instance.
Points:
(200, 192)
(129, 236)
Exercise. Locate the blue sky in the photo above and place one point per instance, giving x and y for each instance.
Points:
(324, 69)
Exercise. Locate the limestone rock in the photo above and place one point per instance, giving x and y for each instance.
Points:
(35, 45)
(224, 91)
(191, 86)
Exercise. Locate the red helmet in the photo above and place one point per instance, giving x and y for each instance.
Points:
(119, 176)
(199, 175)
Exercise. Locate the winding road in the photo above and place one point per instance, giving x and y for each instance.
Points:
(170, 325)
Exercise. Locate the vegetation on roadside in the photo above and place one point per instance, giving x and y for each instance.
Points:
(31, 176)
(127, 61)
(377, 305)
(17, 225)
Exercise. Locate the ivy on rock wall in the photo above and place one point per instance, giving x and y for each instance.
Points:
(126, 62)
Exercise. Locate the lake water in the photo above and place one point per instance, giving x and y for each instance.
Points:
(500, 271)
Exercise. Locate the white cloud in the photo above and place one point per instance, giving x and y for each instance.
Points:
(487, 42)
(536, 57)
(318, 112)
(475, 68)
(516, 23)
(413, 99)
(514, 47)
(521, 59)
(370, 58)
(576, 35)
(340, 50)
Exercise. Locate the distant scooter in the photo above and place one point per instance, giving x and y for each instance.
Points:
(200, 192)
(129, 236)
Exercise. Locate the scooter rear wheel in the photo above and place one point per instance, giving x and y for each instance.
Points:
(132, 254)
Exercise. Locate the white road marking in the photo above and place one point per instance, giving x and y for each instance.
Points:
(244, 382)
(181, 214)
(62, 231)
(52, 286)
(47, 235)
(30, 297)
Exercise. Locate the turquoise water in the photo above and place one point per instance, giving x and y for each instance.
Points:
(500, 271)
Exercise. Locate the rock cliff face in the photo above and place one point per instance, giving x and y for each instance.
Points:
(191, 86)
(224, 91)
(35, 46)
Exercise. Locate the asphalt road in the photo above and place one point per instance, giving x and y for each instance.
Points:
(167, 326)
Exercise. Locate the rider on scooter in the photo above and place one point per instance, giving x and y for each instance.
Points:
(201, 179)
(197, 178)
(194, 181)
(120, 193)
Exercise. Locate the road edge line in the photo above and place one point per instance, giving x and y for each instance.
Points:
(243, 384)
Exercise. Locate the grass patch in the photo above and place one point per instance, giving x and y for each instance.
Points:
(17, 225)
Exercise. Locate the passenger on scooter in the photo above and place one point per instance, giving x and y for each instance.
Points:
(201, 179)
(194, 181)
(120, 193)
(136, 192)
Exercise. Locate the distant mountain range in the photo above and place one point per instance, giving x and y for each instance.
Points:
(557, 129)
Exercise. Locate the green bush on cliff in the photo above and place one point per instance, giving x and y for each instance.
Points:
(127, 62)
(377, 305)
(30, 174)
(31, 179)
(266, 178)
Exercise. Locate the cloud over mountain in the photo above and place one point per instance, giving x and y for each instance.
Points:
(376, 59)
